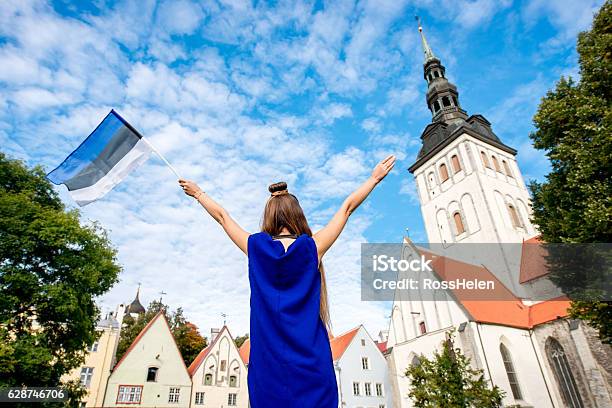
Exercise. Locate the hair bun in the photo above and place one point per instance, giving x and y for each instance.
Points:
(280, 186)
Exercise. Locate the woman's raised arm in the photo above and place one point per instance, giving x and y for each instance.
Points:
(232, 229)
(325, 238)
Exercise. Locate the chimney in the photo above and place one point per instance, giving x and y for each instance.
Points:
(213, 334)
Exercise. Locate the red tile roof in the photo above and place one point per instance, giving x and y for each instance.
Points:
(501, 306)
(245, 351)
(340, 343)
(533, 260)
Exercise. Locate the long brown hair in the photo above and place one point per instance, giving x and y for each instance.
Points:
(284, 211)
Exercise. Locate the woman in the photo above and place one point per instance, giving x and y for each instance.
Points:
(290, 364)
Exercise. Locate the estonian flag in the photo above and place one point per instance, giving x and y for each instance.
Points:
(103, 160)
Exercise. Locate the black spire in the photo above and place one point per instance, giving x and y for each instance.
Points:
(442, 96)
(448, 121)
(136, 306)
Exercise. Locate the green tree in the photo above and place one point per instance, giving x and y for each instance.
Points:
(188, 339)
(51, 269)
(448, 381)
(573, 127)
(239, 341)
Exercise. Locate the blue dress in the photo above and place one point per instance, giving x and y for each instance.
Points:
(290, 363)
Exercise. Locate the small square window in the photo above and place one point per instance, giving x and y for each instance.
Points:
(86, 374)
(152, 374)
(231, 400)
(173, 396)
(199, 398)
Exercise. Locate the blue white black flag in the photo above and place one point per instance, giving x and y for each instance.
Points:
(103, 160)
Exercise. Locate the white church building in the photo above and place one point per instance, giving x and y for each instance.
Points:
(472, 192)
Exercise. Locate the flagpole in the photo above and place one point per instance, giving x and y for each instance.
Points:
(161, 156)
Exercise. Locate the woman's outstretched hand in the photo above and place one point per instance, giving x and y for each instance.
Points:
(190, 188)
(383, 168)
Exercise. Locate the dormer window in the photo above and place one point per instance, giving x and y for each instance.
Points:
(443, 172)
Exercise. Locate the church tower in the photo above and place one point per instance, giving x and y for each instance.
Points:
(469, 184)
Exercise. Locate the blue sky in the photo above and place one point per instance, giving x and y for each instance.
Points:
(238, 95)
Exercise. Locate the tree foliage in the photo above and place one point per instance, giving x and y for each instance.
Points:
(447, 380)
(573, 126)
(188, 339)
(51, 269)
(239, 341)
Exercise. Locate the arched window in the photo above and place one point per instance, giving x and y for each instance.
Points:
(415, 361)
(458, 223)
(516, 222)
(511, 372)
(563, 373)
(436, 106)
(507, 168)
(233, 381)
(446, 101)
(455, 101)
(443, 172)
(485, 159)
(208, 379)
(152, 374)
(455, 162)
(436, 74)
(496, 164)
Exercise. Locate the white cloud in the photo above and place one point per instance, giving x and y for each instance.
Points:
(180, 17)
(569, 16)
(409, 189)
(37, 98)
(467, 14)
(371, 125)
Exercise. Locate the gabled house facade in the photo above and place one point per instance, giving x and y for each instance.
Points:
(152, 372)
(219, 375)
(99, 360)
(361, 371)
